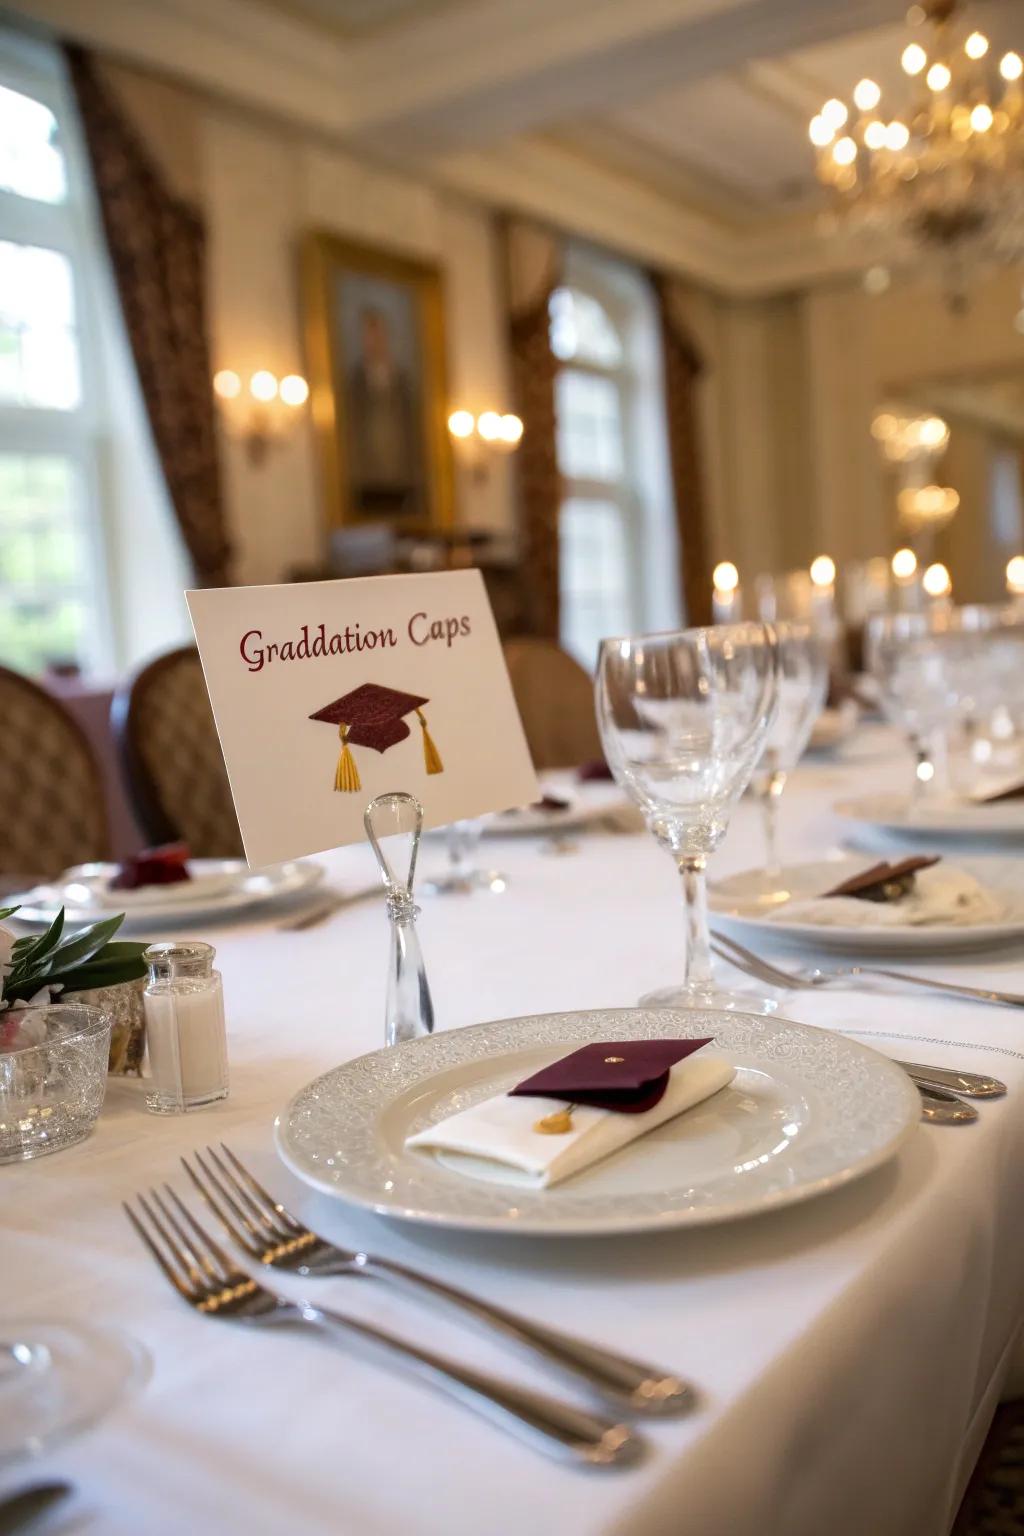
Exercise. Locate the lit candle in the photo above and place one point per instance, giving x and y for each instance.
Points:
(906, 577)
(937, 584)
(725, 599)
(823, 590)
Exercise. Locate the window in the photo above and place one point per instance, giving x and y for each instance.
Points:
(50, 577)
(617, 566)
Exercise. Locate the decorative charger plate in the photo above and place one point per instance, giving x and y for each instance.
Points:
(897, 813)
(807, 1112)
(230, 886)
(734, 902)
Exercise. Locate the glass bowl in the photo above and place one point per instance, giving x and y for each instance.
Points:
(53, 1076)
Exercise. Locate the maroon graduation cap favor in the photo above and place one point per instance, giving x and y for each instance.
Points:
(372, 716)
(629, 1076)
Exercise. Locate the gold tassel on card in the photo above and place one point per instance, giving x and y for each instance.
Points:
(431, 756)
(347, 774)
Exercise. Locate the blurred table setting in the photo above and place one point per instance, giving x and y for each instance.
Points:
(849, 1149)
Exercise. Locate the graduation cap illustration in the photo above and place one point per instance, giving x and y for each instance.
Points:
(372, 716)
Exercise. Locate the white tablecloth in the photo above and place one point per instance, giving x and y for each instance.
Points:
(848, 1353)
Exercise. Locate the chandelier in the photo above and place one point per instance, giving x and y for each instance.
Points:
(941, 178)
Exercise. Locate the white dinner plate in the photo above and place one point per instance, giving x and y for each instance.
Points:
(807, 1112)
(957, 819)
(203, 884)
(245, 889)
(736, 904)
(586, 803)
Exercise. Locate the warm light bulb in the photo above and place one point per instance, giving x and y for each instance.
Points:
(934, 431)
(976, 45)
(936, 580)
(511, 428)
(938, 77)
(294, 389)
(263, 385)
(1011, 66)
(461, 423)
(867, 95)
(820, 132)
(834, 113)
(1015, 575)
(227, 384)
(904, 564)
(897, 135)
(981, 118)
(914, 59)
(725, 577)
(875, 134)
(489, 426)
(823, 571)
(844, 151)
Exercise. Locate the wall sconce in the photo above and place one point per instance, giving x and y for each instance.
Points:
(477, 438)
(260, 413)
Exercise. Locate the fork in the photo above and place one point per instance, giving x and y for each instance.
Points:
(272, 1236)
(944, 1082)
(815, 977)
(211, 1282)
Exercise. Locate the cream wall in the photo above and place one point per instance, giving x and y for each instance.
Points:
(262, 185)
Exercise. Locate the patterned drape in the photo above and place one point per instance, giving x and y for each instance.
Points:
(683, 366)
(157, 249)
(533, 260)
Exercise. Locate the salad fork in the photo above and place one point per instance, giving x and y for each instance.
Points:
(271, 1235)
(212, 1283)
(814, 976)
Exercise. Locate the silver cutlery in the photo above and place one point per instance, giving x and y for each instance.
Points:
(944, 1108)
(312, 917)
(212, 1283)
(20, 1510)
(271, 1235)
(969, 1085)
(815, 977)
(939, 1103)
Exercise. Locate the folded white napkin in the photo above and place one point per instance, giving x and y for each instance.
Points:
(496, 1140)
(940, 895)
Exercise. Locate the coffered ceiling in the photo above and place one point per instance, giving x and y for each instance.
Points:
(676, 129)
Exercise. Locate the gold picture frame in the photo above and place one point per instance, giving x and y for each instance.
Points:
(375, 351)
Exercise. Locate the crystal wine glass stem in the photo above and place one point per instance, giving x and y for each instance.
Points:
(931, 767)
(463, 837)
(695, 904)
(409, 1008)
(774, 784)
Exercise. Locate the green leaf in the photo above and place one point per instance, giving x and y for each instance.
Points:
(86, 943)
(7, 912)
(44, 942)
(96, 974)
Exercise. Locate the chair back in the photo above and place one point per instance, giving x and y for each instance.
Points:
(555, 696)
(172, 757)
(51, 786)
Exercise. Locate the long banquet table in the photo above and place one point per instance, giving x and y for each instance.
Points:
(848, 1353)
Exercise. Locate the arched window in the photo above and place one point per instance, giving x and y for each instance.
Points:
(609, 408)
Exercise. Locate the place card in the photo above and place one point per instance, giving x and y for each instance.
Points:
(328, 693)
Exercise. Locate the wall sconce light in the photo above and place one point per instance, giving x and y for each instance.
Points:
(262, 411)
(1015, 576)
(477, 438)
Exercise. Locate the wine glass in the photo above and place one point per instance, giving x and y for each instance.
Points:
(921, 663)
(683, 719)
(802, 685)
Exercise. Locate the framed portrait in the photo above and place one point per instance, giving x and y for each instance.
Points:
(376, 358)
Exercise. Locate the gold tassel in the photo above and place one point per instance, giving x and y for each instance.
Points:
(347, 774)
(431, 756)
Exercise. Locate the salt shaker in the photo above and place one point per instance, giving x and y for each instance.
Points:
(185, 1030)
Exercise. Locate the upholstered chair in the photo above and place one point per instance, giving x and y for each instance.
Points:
(51, 787)
(172, 758)
(556, 701)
